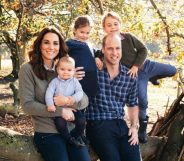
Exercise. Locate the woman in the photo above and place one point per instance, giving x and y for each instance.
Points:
(34, 77)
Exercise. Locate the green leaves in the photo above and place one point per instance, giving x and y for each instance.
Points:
(23, 19)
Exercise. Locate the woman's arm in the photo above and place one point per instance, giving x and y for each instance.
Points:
(28, 84)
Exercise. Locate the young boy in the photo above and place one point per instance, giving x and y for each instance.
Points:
(70, 87)
(134, 55)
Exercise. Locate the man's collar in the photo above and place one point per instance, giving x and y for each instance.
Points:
(122, 68)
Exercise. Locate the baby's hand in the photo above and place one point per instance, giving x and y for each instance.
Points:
(51, 108)
(59, 100)
(99, 63)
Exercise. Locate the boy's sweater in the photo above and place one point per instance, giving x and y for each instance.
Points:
(134, 51)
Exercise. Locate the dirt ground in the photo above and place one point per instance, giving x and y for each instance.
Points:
(160, 98)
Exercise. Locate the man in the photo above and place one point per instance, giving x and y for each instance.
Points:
(106, 129)
(134, 54)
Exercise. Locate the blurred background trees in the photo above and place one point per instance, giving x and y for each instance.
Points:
(159, 23)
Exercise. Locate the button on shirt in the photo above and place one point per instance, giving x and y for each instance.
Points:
(112, 96)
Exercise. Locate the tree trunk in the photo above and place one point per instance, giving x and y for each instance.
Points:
(14, 88)
(176, 138)
(168, 146)
(9, 109)
(172, 126)
(18, 147)
(15, 64)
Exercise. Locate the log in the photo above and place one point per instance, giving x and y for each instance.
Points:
(151, 148)
(9, 109)
(175, 141)
(18, 147)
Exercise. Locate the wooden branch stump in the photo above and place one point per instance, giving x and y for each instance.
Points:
(175, 138)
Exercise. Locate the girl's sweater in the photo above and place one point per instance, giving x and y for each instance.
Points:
(83, 57)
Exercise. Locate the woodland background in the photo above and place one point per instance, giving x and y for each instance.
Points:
(158, 23)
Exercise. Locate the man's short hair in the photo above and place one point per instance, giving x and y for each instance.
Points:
(109, 35)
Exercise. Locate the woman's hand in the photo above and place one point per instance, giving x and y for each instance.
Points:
(70, 101)
(133, 72)
(79, 73)
(60, 100)
(67, 114)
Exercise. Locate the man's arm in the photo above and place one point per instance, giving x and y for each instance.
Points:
(133, 113)
(133, 130)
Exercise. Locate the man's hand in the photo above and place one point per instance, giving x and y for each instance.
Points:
(133, 133)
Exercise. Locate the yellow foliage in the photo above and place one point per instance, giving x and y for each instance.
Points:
(175, 77)
(180, 58)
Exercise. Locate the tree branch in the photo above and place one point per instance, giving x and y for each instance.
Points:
(178, 35)
(166, 26)
(100, 5)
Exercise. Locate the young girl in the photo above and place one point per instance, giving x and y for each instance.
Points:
(134, 54)
(83, 55)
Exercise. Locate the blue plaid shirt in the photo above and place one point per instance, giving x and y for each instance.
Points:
(112, 96)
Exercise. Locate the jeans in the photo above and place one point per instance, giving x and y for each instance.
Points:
(54, 148)
(109, 139)
(148, 70)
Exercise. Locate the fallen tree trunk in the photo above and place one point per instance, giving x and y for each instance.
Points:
(168, 145)
(9, 109)
(18, 147)
(176, 140)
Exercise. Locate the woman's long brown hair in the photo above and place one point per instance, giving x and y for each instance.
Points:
(35, 54)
